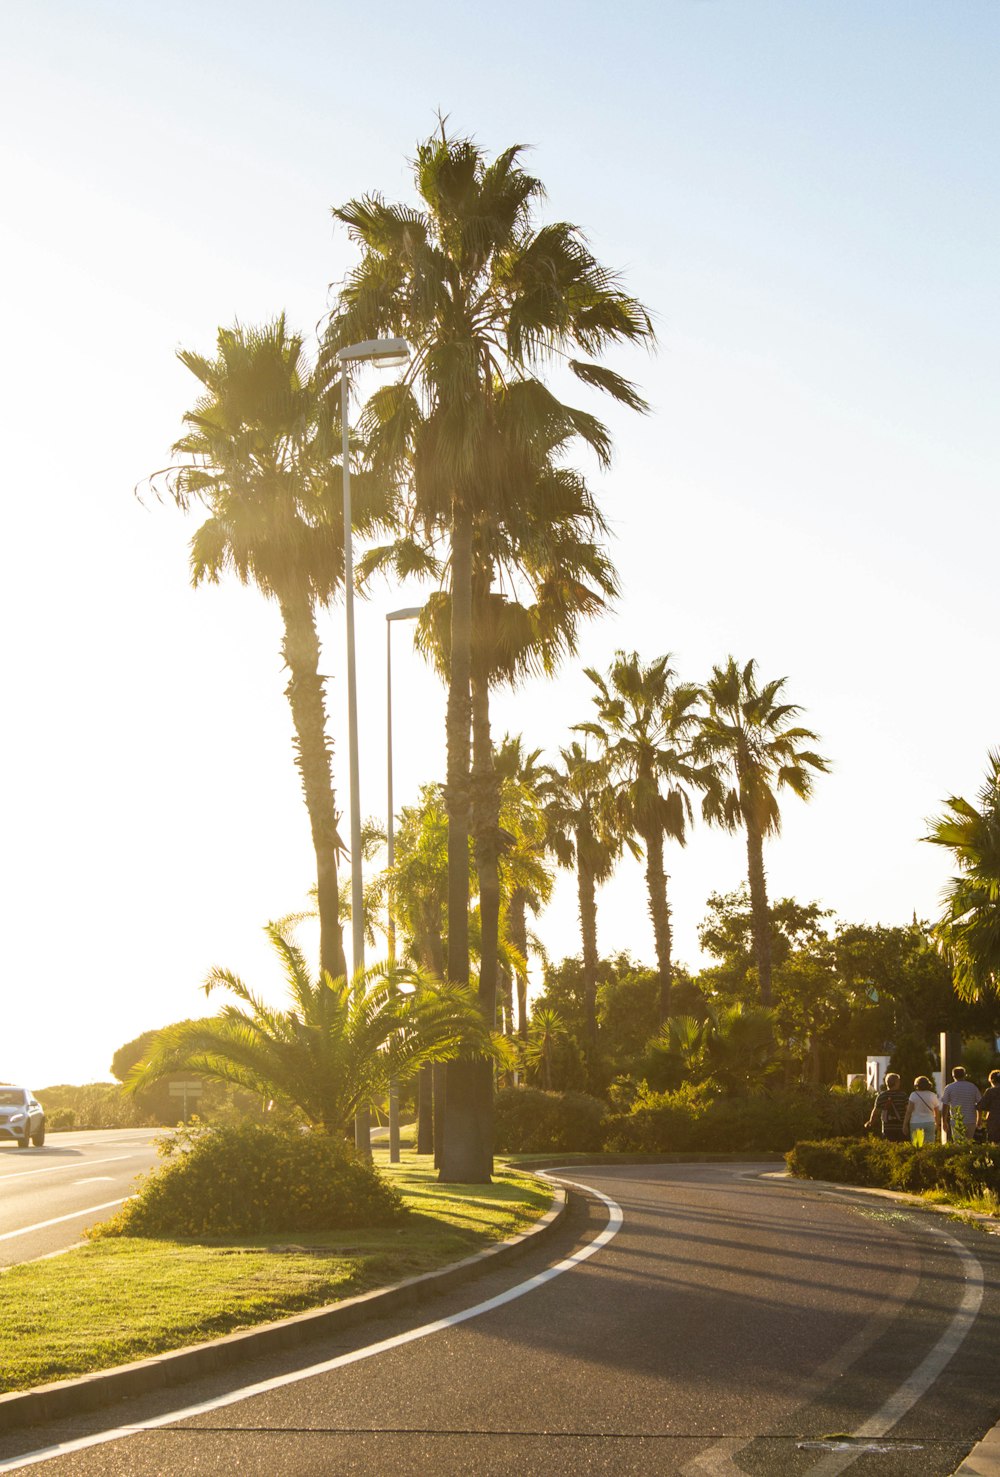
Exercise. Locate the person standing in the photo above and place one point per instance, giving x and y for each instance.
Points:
(989, 1109)
(889, 1109)
(923, 1112)
(959, 1102)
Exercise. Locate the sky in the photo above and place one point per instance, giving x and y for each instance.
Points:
(805, 197)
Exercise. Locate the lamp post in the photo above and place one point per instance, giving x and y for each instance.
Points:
(409, 613)
(389, 353)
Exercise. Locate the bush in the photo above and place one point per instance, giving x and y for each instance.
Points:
(251, 1180)
(529, 1121)
(62, 1118)
(967, 1170)
(694, 1118)
(94, 1105)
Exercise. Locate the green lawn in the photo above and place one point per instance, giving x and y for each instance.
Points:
(114, 1300)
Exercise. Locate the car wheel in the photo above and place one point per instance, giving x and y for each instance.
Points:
(38, 1138)
(23, 1143)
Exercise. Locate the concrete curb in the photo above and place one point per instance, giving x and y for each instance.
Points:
(984, 1459)
(916, 1202)
(89, 1391)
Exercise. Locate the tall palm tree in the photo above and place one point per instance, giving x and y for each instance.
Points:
(583, 834)
(333, 1051)
(528, 878)
(417, 891)
(257, 449)
(486, 297)
(751, 750)
(646, 722)
(969, 931)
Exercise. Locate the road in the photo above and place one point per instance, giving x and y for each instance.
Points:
(49, 1195)
(729, 1325)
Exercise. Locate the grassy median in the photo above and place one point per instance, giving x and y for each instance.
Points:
(113, 1301)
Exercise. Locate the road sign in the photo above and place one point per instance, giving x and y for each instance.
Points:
(185, 1089)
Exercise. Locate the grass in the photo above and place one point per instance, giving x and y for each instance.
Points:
(985, 1203)
(116, 1300)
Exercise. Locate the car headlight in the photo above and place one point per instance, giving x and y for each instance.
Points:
(17, 1117)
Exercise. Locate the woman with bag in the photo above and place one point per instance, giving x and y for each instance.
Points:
(923, 1112)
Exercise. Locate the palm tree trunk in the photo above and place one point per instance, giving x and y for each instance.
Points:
(486, 833)
(659, 912)
(517, 927)
(761, 922)
(430, 1086)
(587, 895)
(466, 1149)
(506, 992)
(459, 728)
(439, 1091)
(425, 1110)
(300, 649)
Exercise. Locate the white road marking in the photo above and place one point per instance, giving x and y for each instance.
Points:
(263, 1387)
(94, 1179)
(58, 1220)
(928, 1370)
(717, 1461)
(75, 1164)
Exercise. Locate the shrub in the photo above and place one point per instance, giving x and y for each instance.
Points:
(94, 1105)
(529, 1121)
(62, 1118)
(693, 1118)
(958, 1169)
(250, 1180)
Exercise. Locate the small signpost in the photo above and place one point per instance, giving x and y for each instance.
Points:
(875, 1070)
(185, 1090)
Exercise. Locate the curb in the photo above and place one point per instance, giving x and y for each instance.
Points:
(915, 1202)
(90, 1391)
(983, 1460)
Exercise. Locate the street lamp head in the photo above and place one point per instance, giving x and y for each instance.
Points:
(408, 613)
(386, 353)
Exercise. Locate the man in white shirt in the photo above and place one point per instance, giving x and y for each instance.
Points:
(963, 1095)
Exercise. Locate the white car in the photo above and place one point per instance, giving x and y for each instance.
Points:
(21, 1117)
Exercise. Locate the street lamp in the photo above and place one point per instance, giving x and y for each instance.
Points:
(409, 613)
(389, 353)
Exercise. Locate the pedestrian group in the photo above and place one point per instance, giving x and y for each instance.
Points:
(961, 1112)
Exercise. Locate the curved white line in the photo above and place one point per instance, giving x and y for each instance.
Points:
(927, 1371)
(65, 1448)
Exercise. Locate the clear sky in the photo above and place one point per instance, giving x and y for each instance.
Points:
(805, 194)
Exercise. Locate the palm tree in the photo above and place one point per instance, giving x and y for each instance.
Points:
(528, 879)
(335, 1049)
(487, 298)
(417, 892)
(583, 834)
(546, 1032)
(751, 750)
(646, 721)
(258, 448)
(969, 931)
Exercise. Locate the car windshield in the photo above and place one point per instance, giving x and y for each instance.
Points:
(12, 1097)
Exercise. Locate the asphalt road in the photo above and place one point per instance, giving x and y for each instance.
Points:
(49, 1195)
(732, 1325)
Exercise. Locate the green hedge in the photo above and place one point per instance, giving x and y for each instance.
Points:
(529, 1121)
(957, 1169)
(252, 1180)
(698, 1118)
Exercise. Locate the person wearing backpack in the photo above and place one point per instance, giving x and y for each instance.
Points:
(889, 1109)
